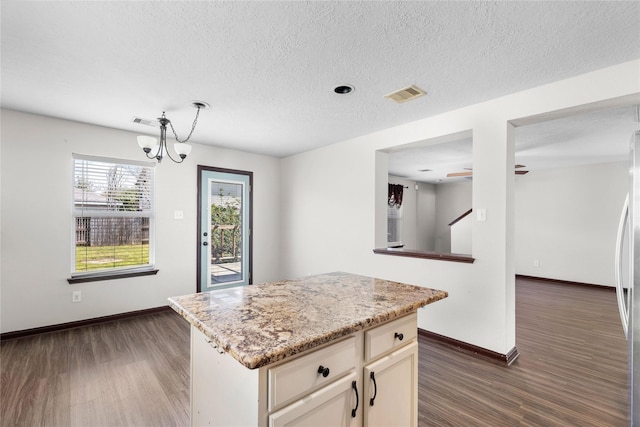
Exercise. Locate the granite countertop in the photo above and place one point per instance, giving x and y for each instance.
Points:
(261, 324)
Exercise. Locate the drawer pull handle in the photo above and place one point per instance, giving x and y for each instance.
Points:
(354, 386)
(375, 388)
(324, 371)
(400, 336)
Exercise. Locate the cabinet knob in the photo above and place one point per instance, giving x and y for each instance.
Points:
(400, 336)
(324, 371)
(205, 243)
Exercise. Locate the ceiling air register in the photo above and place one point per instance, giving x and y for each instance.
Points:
(406, 94)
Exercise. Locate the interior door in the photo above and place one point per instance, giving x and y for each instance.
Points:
(224, 228)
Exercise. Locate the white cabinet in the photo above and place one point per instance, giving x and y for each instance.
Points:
(329, 406)
(390, 389)
(333, 385)
(295, 379)
(388, 336)
(391, 374)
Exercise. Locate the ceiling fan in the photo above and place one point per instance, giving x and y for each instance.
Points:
(469, 172)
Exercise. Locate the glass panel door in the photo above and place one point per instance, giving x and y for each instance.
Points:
(225, 220)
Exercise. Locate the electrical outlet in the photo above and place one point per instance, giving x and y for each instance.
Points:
(76, 296)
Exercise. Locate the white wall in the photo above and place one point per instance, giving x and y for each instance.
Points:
(461, 235)
(426, 217)
(452, 200)
(567, 220)
(36, 243)
(347, 225)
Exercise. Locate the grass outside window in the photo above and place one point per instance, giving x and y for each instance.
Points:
(93, 258)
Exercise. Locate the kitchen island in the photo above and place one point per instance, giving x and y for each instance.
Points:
(332, 349)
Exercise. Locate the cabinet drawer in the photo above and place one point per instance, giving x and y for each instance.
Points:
(388, 336)
(293, 379)
(329, 406)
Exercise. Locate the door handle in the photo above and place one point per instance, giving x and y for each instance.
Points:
(622, 305)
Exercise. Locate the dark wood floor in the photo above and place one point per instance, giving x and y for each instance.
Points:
(132, 372)
(135, 372)
(572, 369)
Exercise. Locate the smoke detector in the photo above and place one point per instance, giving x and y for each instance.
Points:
(406, 94)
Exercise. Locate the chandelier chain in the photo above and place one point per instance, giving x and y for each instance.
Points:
(193, 127)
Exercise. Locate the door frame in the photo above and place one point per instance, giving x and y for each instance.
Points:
(201, 169)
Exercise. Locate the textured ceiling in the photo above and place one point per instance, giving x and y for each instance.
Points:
(593, 137)
(268, 68)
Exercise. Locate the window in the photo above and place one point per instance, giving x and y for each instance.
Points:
(394, 226)
(113, 218)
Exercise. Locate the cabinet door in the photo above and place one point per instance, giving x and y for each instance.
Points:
(330, 406)
(391, 389)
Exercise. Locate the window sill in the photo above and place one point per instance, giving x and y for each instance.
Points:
(118, 275)
(413, 253)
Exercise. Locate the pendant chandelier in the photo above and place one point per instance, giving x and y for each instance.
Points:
(157, 150)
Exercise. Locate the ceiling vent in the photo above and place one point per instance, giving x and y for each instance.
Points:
(406, 94)
(146, 122)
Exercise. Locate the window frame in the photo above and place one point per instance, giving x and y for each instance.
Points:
(115, 272)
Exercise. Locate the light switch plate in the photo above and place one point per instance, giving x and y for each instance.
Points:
(76, 296)
(482, 214)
